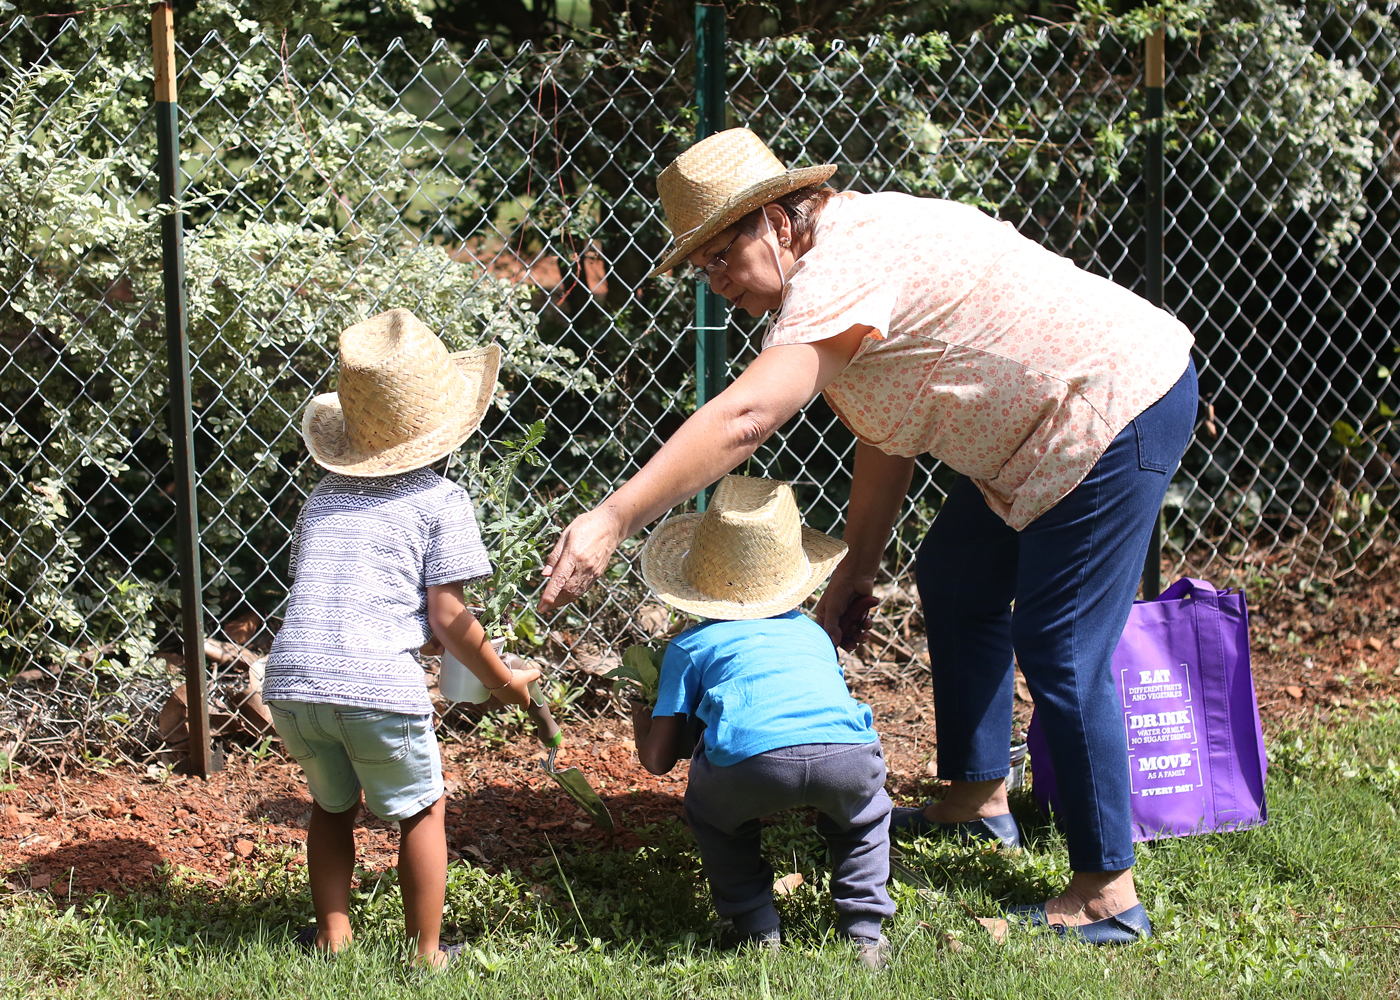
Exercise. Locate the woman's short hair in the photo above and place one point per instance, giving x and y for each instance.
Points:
(803, 207)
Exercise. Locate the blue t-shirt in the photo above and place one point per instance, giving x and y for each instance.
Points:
(760, 685)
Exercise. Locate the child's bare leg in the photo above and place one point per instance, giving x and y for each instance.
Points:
(423, 878)
(330, 858)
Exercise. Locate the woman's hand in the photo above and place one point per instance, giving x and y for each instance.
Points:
(580, 556)
(847, 597)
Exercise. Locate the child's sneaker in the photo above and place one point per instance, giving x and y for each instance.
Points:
(874, 953)
(768, 942)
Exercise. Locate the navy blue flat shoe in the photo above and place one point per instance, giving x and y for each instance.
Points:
(1121, 928)
(994, 829)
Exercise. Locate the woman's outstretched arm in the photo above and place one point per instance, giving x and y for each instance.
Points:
(715, 439)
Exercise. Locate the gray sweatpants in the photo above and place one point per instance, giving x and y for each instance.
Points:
(844, 782)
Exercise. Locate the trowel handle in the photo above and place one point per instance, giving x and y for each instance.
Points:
(545, 726)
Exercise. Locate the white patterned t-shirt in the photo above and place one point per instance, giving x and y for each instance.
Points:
(364, 553)
(988, 352)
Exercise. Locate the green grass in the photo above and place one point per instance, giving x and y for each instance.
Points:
(1305, 907)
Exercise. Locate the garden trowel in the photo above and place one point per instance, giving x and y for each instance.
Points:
(570, 779)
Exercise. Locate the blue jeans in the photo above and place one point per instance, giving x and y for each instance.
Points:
(1073, 574)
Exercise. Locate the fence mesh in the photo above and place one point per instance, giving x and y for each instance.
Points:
(511, 198)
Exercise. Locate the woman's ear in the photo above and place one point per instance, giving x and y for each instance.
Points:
(782, 225)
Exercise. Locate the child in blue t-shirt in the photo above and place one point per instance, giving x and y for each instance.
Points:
(781, 730)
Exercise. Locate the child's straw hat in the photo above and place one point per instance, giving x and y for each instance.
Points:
(748, 556)
(717, 182)
(402, 401)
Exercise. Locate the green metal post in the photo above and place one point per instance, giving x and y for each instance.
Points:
(711, 309)
(1155, 80)
(202, 760)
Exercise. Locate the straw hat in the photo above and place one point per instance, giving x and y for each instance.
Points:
(402, 402)
(717, 182)
(748, 556)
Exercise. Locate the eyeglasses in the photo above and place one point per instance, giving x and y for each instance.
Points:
(715, 265)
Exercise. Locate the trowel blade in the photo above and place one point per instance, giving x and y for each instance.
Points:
(571, 779)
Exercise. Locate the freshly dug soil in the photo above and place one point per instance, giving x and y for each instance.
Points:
(78, 831)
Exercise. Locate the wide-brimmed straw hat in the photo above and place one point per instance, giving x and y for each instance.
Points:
(402, 401)
(717, 182)
(748, 556)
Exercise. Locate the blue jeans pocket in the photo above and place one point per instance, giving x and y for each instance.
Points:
(1164, 429)
(1154, 454)
(373, 737)
(285, 723)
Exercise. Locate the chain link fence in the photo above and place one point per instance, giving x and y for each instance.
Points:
(511, 198)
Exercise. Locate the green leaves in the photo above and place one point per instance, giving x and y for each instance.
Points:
(640, 672)
(515, 534)
(312, 200)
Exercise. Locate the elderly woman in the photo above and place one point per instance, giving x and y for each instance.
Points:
(1065, 403)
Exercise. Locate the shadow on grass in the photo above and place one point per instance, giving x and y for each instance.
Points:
(516, 825)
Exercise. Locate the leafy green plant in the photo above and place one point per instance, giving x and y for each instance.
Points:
(515, 533)
(640, 672)
(1364, 493)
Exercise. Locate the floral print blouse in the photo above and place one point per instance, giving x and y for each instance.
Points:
(992, 354)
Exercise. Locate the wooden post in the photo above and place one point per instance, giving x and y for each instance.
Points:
(201, 761)
(1156, 77)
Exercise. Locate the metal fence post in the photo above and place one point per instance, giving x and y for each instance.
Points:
(1155, 79)
(711, 309)
(201, 760)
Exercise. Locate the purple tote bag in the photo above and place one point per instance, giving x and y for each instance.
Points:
(1195, 746)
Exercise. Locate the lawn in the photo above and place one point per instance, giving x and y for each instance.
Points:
(1308, 905)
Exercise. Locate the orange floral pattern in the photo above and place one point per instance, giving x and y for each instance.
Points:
(987, 351)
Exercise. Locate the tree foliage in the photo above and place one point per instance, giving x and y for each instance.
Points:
(340, 160)
(308, 212)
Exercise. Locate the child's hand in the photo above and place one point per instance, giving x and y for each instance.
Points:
(641, 721)
(522, 672)
(433, 647)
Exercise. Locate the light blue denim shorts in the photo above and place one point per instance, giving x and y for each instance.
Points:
(393, 757)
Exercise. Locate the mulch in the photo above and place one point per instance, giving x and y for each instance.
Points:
(74, 832)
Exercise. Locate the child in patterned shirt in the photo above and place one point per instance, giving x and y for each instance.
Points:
(379, 556)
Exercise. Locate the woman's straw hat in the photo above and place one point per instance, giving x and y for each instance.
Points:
(748, 556)
(717, 182)
(402, 402)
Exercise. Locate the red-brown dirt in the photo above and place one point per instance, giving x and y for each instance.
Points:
(81, 831)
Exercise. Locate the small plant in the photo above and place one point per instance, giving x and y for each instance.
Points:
(265, 749)
(515, 535)
(640, 672)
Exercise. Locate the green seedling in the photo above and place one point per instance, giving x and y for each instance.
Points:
(640, 672)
